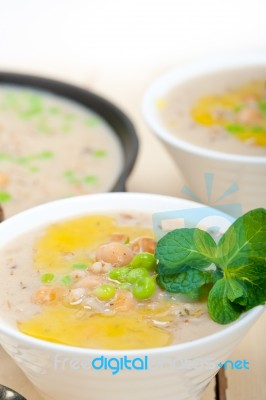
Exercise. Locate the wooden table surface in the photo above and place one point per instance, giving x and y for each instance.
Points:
(154, 172)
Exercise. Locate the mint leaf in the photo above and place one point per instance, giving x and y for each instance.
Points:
(256, 294)
(200, 293)
(253, 277)
(236, 291)
(217, 274)
(251, 272)
(220, 308)
(244, 241)
(185, 282)
(185, 247)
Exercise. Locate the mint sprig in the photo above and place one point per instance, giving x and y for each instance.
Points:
(189, 260)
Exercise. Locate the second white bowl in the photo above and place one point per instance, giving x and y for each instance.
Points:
(246, 174)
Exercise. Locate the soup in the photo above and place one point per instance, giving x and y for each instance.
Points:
(223, 111)
(90, 282)
(52, 148)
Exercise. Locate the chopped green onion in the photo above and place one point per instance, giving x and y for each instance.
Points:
(71, 176)
(66, 128)
(66, 280)
(79, 266)
(46, 155)
(5, 157)
(69, 117)
(54, 110)
(33, 169)
(90, 179)
(47, 278)
(32, 112)
(235, 129)
(99, 153)
(5, 197)
(92, 121)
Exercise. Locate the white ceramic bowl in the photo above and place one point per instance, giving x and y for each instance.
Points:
(60, 372)
(248, 172)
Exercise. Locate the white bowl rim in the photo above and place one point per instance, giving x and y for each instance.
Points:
(5, 328)
(178, 75)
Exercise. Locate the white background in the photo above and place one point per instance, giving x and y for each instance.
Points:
(65, 37)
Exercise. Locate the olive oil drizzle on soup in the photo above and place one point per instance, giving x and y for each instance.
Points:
(52, 148)
(223, 111)
(90, 282)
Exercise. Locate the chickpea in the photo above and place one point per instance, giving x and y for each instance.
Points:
(115, 253)
(144, 245)
(47, 294)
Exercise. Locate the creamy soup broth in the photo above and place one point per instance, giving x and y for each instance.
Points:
(50, 280)
(52, 148)
(223, 111)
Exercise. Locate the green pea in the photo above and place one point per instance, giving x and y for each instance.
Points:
(145, 260)
(119, 274)
(144, 289)
(104, 292)
(125, 286)
(47, 278)
(136, 274)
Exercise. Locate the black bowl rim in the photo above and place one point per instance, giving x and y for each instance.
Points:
(58, 87)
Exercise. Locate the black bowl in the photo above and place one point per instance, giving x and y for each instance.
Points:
(9, 394)
(120, 123)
